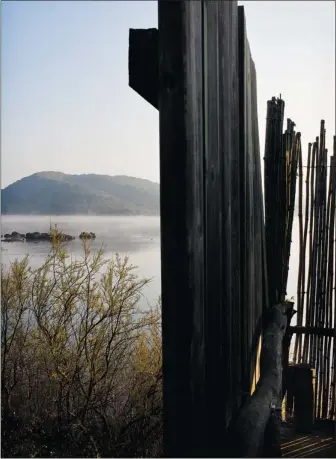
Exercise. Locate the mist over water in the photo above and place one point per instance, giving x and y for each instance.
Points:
(138, 237)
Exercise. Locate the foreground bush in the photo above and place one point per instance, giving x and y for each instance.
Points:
(81, 362)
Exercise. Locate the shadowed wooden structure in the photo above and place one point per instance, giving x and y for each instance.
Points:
(197, 70)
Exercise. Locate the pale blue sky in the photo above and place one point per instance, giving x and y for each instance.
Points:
(66, 104)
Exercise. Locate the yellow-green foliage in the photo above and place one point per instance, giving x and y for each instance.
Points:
(81, 361)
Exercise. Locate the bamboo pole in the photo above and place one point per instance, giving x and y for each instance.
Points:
(324, 282)
(303, 311)
(333, 212)
(307, 340)
(316, 300)
(319, 306)
(301, 258)
(328, 299)
(316, 274)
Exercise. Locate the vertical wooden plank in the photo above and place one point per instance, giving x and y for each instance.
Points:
(221, 129)
(250, 211)
(221, 144)
(213, 216)
(182, 225)
(195, 217)
(242, 157)
(176, 317)
(251, 224)
(229, 144)
(231, 200)
(264, 276)
(243, 201)
(260, 280)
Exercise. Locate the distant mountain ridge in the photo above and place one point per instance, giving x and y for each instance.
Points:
(52, 193)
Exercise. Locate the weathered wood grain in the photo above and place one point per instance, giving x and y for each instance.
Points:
(182, 225)
(213, 266)
(253, 259)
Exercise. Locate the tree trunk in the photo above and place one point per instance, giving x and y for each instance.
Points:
(250, 427)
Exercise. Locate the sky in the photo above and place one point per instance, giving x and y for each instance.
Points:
(66, 104)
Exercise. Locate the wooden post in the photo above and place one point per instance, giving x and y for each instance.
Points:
(301, 388)
(286, 342)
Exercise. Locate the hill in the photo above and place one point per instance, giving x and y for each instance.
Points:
(51, 193)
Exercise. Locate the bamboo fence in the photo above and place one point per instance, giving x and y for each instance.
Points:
(316, 286)
(316, 294)
(282, 153)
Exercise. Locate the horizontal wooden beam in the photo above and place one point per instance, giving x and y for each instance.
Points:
(322, 331)
(143, 64)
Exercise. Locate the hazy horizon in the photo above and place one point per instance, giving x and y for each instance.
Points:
(66, 104)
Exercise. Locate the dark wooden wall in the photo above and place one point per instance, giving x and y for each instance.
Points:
(213, 266)
(253, 255)
(212, 230)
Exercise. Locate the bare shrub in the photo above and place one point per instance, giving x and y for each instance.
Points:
(81, 362)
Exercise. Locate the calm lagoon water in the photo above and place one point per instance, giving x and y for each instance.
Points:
(137, 237)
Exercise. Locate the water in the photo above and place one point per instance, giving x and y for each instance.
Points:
(137, 237)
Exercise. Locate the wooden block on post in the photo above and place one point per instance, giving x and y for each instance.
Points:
(143, 65)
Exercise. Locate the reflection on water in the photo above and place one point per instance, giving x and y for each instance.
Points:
(138, 237)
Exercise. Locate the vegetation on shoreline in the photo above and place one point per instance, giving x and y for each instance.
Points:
(81, 362)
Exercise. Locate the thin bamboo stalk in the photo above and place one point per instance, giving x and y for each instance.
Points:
(307, 340)
(312, 357)
(316, 304)
(321, 271)
(292, 154)
(304, 250)
(333, 216)
(328, 250)
(301, 262)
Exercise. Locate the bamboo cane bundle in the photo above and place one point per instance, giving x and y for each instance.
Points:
(316, 294)
(316, 277)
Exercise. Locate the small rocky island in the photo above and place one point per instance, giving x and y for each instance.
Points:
(14, 237)
(85, 235)
(48, 237)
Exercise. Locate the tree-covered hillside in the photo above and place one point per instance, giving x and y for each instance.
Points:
(57, 193)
